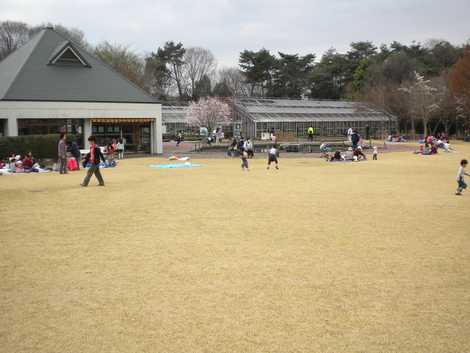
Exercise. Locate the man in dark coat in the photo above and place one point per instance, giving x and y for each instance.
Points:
(75, 152)
(355, 138)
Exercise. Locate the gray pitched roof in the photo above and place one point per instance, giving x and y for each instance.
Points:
(27, 74)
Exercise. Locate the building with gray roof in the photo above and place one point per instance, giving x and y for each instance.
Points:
(51, 84)
(292, 117)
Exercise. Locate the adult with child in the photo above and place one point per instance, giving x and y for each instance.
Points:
(62, 153)
(93, 159)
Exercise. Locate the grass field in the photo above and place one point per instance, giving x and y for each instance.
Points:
(315, 257)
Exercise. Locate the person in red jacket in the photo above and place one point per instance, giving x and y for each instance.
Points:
(28, 162)
(94, 157)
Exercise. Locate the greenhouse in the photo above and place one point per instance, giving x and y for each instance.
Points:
(175, 119)
(292, 118)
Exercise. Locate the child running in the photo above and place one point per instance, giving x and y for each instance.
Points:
(460, 177)
(272, 157)
(244, 158)
(375, 153)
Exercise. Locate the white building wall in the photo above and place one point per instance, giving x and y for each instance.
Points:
(15, 110)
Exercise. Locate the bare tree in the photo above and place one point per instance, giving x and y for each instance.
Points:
(198, 63)
(12, 36)
(123, 60)
(233, 81)
(424, 98)
(445, 116)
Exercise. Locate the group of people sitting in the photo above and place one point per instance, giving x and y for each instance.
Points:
(396, 138)
(16, 163)
(351, 155)
(111, 151)
(431, 144)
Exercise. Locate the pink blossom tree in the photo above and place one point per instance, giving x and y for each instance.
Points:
(208, 112)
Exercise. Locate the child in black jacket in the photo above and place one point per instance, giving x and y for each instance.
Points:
(94, 157)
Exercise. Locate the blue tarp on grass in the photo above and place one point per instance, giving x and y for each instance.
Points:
(175, 166)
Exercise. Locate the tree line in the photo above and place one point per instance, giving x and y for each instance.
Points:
(427, 86)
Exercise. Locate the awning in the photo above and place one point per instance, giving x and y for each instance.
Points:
(122, 120)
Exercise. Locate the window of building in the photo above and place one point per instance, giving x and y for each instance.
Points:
(49, 126)
(69, 56)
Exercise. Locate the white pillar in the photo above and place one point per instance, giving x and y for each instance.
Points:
(87, 131)
(12, 127)
(156, 136)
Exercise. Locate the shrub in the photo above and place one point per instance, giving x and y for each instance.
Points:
(42, 146)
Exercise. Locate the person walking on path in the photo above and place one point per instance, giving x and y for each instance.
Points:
(62, 152)
(94, 157)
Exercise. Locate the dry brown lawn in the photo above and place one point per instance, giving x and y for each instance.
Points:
(315, 257)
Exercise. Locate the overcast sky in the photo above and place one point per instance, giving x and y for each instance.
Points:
(226, 27)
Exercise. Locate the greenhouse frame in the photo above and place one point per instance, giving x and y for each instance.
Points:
(290, 118)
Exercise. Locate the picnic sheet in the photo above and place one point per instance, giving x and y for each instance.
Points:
(186, 165)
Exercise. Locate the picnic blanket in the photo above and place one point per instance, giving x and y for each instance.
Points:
(186, 165)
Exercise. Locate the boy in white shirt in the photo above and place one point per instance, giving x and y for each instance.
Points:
(272, 157)
(460, 177)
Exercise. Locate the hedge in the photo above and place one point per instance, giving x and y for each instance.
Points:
(42, 146)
